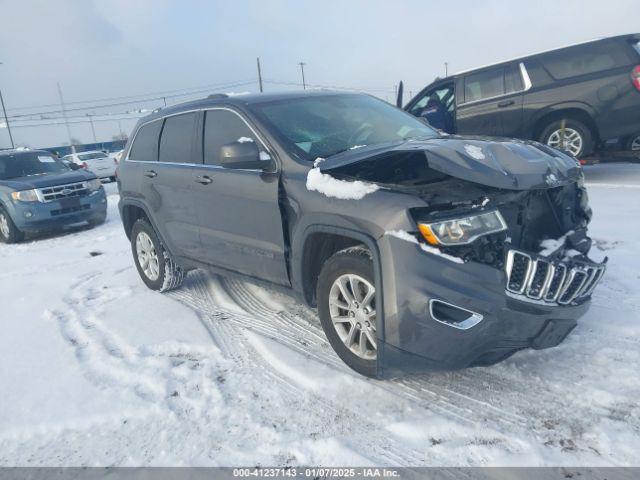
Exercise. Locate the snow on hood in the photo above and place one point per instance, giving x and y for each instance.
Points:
(332, 187)
(500, 163)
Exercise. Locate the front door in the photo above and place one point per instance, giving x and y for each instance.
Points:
(238, 210)
(491, 103)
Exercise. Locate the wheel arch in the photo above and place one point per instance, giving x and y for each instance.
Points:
(575, 111)
(131, 211)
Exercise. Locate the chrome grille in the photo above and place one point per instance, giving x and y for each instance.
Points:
(550, 281)
(58, 192)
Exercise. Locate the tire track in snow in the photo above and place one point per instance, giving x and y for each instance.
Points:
(360, 430)
(481, 395)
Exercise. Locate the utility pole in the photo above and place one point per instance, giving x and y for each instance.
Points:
(304, 85)
(66, 120)
(6, 119)
(259, 74)
(93, 130)
(120, 129)
(446, 69)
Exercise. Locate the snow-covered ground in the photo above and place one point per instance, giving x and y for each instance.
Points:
(98, 370)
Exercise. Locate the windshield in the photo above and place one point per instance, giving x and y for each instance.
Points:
(91, 156)
(29, 164)
(323, 126)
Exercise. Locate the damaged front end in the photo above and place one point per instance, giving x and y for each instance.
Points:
(536, 196)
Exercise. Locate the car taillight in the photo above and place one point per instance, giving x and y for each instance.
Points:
(635, 77)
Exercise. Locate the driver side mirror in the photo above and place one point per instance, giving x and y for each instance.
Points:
(242, 155)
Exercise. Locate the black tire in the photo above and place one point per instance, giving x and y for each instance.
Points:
(170, 274)
(13, 235)
(354, 260)
(94, 222)
(632, 143)
(582, 129)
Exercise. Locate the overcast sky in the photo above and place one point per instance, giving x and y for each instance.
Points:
(99, 50)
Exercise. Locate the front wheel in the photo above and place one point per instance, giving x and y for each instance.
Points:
(347, 308)
(575, 138)
(9, 233)
(154, 263)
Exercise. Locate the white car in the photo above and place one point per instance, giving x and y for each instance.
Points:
(95, 161)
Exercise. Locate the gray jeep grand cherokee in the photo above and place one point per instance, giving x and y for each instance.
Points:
(419, 250)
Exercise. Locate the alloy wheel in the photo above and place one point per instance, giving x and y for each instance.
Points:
(147, 256)
(4, 225)
(570, 141)
(353, 314)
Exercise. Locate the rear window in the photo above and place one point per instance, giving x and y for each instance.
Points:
(145, 145)
(489, 83)
(91, 156)
(176, 139)
(584, 59)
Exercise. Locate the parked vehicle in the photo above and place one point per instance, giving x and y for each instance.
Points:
(40, 193)
(95, 161)
(419, 250)
(572, 98)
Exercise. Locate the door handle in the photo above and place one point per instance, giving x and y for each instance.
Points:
(150, 173)
(204, 179)
(506, 103)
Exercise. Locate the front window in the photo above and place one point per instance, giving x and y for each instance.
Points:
(326, 125)
(91, 156)
(28, 165)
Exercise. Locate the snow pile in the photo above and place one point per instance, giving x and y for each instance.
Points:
(550, 245)
(245, 140)
(474, 151)
(332, 187)
(407, 237)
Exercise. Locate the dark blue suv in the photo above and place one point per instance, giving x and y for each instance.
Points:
(38, 193)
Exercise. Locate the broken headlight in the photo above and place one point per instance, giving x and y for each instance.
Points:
(462, 230)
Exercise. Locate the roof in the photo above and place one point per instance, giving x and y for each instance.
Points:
(14, 151)
(240, 100)
(522, 57)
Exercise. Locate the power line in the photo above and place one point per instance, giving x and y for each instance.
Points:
(162, 94)
(117, 104)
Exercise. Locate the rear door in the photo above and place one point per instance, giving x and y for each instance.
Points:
(238, 210)
(490, 102)
(166, 184)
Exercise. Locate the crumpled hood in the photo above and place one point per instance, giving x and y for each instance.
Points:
(47, 180)
(499, 163)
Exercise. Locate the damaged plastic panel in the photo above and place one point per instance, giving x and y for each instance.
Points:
(538, 191)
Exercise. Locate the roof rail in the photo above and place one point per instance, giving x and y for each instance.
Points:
(214, 96)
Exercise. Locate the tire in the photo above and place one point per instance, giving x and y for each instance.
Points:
(550, 136)
(9, 233)
(160, 272)
(356, 263)
(632, 143)
(99, 221)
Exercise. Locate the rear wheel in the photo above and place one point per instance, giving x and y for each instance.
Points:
(9, 233)
(633, 143)
(154, 263)
(575, 139)
(347, 308)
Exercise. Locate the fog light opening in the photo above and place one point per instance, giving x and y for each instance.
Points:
(28, 214)
(452, 315)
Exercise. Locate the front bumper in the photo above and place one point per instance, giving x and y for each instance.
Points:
(412, 339)
(33, 217)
